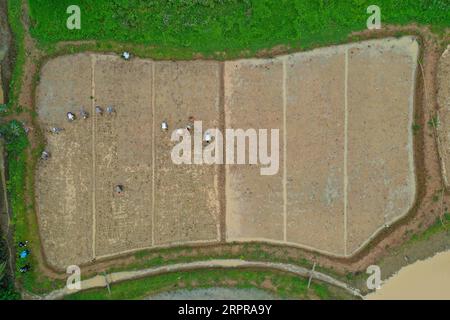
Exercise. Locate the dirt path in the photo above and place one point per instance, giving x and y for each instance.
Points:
(101, 281)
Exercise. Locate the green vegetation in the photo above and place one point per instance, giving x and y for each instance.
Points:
(7, 291)
(16, 142)
(441, 225)
(14, 15)
(416, 128)
(233, 27)
(433, 122)
(283, 285)
(437, 195)
(3, 108)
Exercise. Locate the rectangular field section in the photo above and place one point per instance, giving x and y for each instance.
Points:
(81, 216)
(344, 116)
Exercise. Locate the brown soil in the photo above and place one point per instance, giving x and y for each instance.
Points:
(339, 182)
(81, 217)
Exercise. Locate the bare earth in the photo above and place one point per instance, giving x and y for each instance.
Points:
(346, 116)
(443, 81)
(81, 217)
(346, 157)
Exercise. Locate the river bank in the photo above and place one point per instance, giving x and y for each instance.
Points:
(424, 279)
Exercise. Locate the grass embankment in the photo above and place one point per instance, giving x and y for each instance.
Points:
(16, 143)
(283, 285)
(441, 225)
(227, 28)
(19, 165)
(14, 15)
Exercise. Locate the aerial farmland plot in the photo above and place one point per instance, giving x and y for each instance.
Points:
(338, 182)
(224, 150)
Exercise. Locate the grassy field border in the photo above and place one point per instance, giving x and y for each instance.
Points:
(283, 285)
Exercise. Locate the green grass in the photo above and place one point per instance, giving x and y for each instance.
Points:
(416, 128)
(284, 285)
(433, 122)
(227, 26)
(16, 143)
(14, 14)
(437, 227)
(253, 252)
(7, 291)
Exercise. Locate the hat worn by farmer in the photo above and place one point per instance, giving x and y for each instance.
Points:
(119, 189)
(70, 116)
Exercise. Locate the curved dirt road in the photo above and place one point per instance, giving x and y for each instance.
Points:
(101, 281)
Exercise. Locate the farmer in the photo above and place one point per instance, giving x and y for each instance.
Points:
(25, 268)
(110, 110)
(207, 137)
(126, 55)
(24, 253)
(98, 110)
(23, 244)
(45, 155)
(84, 114)
(119, 189)
(164, 126)
(56, 130)
(70, 116)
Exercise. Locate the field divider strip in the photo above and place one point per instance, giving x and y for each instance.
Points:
(345, 149)
(221, 170)
(93, 60)
(153, 152)
(284, 154)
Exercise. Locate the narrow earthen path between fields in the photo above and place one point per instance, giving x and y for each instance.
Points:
(102, 281)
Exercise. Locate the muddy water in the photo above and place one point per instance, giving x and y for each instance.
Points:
(427, 279)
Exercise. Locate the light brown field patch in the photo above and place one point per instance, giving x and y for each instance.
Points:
(345, 114)
(315, 116)
(253, 100)
(346, 163)
(123, 151)
(81, 217)
(187, 196)
(64, 185)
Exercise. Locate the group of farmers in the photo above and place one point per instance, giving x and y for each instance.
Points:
(24, 252)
